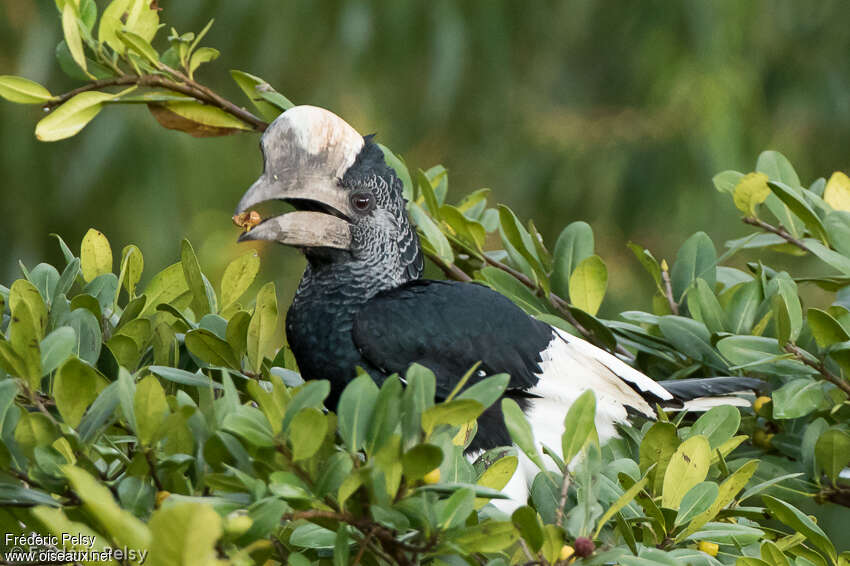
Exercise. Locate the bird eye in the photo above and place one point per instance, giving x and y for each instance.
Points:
(362, 202)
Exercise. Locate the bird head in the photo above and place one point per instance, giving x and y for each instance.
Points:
(348, 203)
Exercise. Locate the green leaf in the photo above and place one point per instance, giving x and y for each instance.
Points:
(488, 390)
(201, 56)
(354, 411)
(211, 349)
(72, 116)
(433, 236)
(396, 163)
(727, 533)
(262, 330)
(751, 191)
(499, 473)
(194, 279)
(519, 244)
(95, 255)
(726, 181)
(798, 206)
(797, 398)
(151, 409)
(696, 258)
(649, 263)
(588, 284)
(250, 85)
(237, 333)
(184, 377)
(75, 387)
(688, 467)
(696, 501)
(777, 167)
(420, 460)
(311, 394)
(307, 432)
(832, 452)
(727, 491)
(454, 511)
(520, 430)
(238, 276)
(385, 417)
(772, 554)
(197, 118)
(530, 528)
(23, 91)
(690, 337)
(579, 425)
(124, 528)
(72, 34)
(57, 347)
(140, 45)
(490, 536)
(454, 413)
(574, 244)
(132, 265)
(825, 328)
(718, 425)
(164, 288)
(797, 520)
(704, 306)
(250, 424)
(657, 447)
(511, 287)
(837, 224)
(620, 503)
(184, 535)
(137, 16)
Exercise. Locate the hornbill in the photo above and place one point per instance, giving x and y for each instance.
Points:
(362, 301)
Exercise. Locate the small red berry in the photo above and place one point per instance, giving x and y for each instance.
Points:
(584, 547)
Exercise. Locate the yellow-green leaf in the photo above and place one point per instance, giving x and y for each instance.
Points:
(588, 284)
(688, 467)
(150, 408)
(132, 265)
(496, 476)
(95, 255)
(165, 286)
(72, 34)
(206, 115)
(75, 387)
(262, 330)
(140, 45)
(252, 86)
(307, 432)
(124, 528)
(202, 55)
(837, 191)
(185, 535)
(238, 276)
(22, 91)
(72, 116)
(751, 191)
(137, 16)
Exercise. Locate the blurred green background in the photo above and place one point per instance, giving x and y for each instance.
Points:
(611, 112)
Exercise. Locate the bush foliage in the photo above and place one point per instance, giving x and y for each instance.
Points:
(170, 416)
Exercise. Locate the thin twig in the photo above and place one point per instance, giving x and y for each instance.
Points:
(562, 502)
(363, 546)
(187, 87)
(842, 384)
(668, 291)
(779, 231)
(152, 466)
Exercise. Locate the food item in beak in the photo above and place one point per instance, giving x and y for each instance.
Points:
(247, 220)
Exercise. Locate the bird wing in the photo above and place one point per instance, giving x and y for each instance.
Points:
(449, 327)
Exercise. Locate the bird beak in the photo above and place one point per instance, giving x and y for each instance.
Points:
(306, 152)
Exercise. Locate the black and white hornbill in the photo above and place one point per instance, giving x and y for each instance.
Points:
(362, 302)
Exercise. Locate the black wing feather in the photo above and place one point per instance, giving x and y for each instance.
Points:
(449, 326)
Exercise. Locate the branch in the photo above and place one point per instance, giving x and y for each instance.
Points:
(779, 231)
(842, 384)
(668, 290)
(186, 86)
